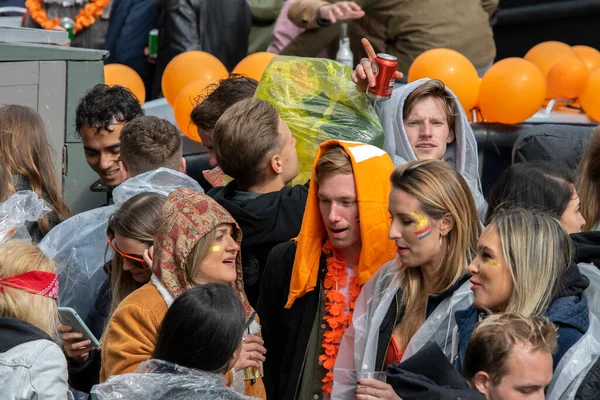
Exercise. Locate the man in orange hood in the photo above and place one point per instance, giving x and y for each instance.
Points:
(310, 284)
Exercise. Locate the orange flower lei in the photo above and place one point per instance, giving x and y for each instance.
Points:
(86, 17)
(336, 317)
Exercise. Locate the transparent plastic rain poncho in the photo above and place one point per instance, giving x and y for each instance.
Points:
(318, 100)
(79, 245)
(157, 379)
(358, 349)
(19, 208)
(461, 153)
(580, 358)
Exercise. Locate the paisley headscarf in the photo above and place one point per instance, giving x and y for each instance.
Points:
(186, 217)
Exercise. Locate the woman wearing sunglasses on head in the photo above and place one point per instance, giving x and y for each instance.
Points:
(130, 232)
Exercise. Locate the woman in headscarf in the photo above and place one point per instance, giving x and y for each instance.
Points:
(196, 242)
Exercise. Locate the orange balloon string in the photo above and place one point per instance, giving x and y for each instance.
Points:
(337, 318)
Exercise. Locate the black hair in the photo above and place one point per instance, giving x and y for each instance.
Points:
(202, 328)
(538, 185)
(104, 105)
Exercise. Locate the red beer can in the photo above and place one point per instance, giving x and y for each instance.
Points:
(384, 66)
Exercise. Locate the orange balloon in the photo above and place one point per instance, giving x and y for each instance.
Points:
(254, 65)
(590, 97)
(185, 103)
(188, 67)
(589, 55)
(546, 54)
(452, 68)
(122, 75)
(567, 78)
(512, 90)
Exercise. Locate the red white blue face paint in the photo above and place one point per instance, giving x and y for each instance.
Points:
(423, 229)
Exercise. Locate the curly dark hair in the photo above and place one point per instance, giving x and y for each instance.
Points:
(104, 105)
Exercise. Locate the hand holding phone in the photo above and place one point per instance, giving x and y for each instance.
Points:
(77, 337)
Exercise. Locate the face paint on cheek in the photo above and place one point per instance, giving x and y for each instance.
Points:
(492, 263)
(423, 229)
(214, 249)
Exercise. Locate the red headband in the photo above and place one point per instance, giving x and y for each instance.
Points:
(35, 282)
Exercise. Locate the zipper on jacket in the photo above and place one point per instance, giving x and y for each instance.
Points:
(392, 335)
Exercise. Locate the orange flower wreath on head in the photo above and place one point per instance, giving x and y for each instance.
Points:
(87, 15)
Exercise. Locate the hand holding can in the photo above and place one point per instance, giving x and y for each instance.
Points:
(363, 73)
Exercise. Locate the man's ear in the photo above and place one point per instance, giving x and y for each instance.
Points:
(446, 224)
(183, 166)
(451, 136)
(481, 382)
(276, 163)
(123, 171)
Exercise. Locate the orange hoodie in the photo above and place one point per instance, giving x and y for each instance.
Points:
(372, 169)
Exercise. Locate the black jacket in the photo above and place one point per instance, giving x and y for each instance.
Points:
(285, 331)
(83, 376)
(14, 332)
(218, 27)
(587, 247)
(589, 388)
(396, 311)
(266, 221)
(429, 375)
(127, 36)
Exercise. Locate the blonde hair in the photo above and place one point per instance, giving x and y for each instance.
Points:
(135, 219)
(537, 251)
(440, 189)
(334, 160)
(588, 183)
(17, 258)
(24, 150)
(198, 254)
(493, 340)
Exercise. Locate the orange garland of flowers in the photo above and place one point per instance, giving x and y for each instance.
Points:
(86, 17)
(336, 317)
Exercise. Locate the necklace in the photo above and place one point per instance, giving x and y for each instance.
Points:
(338, 312)
(87, 15)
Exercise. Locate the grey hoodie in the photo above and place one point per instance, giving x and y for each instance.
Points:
(461, 153)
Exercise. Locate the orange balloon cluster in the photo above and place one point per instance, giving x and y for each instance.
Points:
(514, 89)
(188, 75)
(452, 68)
(122, 75)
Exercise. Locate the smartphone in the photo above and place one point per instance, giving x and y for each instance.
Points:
(68, 316)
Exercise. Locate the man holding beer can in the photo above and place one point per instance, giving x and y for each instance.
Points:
(421, 120)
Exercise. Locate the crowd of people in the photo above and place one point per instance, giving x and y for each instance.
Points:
(387, 275)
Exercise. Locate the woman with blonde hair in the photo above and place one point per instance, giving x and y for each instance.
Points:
(411, 300)
(588, 184)
(130, 232)
(523, 266)
(27, 164)
(196, 242)
(32, 365)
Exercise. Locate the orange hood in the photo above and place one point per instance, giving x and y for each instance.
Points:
(372, 169)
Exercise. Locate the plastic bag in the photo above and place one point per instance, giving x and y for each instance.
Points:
(19, 208)
(318, 101)
(79, 245)
(157, 379)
